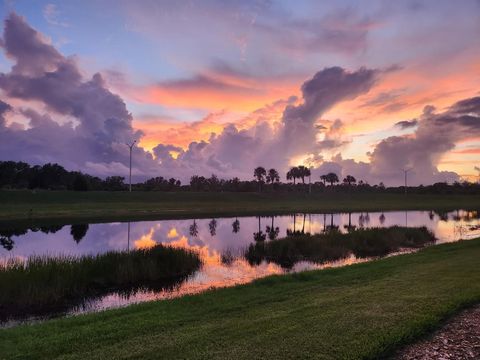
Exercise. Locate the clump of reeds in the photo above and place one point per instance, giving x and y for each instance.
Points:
(48, 282)
(333, 245)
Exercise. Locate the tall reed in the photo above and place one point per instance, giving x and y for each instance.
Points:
(44, 282)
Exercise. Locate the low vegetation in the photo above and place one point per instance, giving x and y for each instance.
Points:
(361, 311)
(47, 283)
(37, 208)
(333, 245)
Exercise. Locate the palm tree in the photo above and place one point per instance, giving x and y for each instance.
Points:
(349, 179)
(272, 176)
(259, 173)
(331, 178)
(293, 174)
(323, 178)
(303, 172)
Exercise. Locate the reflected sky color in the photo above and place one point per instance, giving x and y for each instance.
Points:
(221, 248)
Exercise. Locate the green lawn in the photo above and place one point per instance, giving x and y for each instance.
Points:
(66, 206)
(360, 311)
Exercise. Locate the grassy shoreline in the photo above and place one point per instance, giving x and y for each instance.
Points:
(360, 311)
(46, 284)
(26, 207)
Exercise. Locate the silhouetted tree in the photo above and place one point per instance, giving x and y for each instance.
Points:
(303, 172)
(272, 176)
(293, 174)
(259, 173)
(80, 182)
(331, 178)
(349, 180)
(115, 183)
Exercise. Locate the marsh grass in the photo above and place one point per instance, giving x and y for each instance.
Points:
(42, 283)
(331, 246)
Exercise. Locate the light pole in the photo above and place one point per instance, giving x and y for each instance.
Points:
(405, 171)
(130, 177)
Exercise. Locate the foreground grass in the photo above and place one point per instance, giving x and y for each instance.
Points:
(360, 311)
(333, 245)
(52, 283)
(64, 206)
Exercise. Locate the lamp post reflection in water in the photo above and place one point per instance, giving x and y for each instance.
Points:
(128, 237)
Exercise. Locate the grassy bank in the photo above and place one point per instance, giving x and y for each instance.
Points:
(70, 207)
(331, 246)
(360, 311)
(50, 283)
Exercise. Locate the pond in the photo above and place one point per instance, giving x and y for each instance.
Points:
(221, 243)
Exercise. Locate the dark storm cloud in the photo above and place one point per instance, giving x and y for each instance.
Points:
(40, 73)
(407, 124)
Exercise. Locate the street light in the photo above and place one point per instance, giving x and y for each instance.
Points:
(405, 171)
(130, 177)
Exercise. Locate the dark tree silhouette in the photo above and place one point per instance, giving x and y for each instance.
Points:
(80, 182)
(115, 183)
(330, 178)
(324, 179)
(293, 174)
(78, 231)
(349, 180)
(259, 173)
(272, 176)
(303, 172)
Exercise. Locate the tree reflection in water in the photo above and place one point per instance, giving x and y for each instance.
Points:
(193, 229)
(78, 231)
(236, 226)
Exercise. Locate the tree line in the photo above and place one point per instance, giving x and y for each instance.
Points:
(20, 175)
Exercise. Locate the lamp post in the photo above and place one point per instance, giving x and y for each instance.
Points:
(130, 175)
(405, 171)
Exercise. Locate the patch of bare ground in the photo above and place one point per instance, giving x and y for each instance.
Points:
(458, 339)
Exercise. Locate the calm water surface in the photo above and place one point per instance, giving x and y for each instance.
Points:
(220, 243)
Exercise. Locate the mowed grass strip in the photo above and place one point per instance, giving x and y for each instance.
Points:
(361, 311)
(70, 206)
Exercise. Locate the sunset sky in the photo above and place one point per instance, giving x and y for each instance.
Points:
(366, 88)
